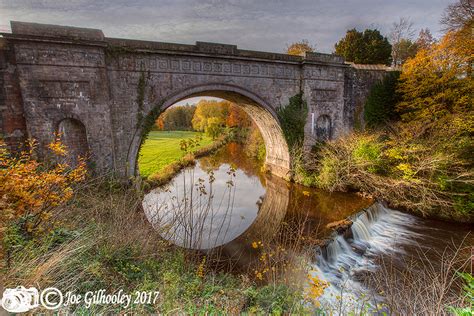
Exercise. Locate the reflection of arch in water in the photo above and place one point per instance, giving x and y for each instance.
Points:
(73, 136)
(323, 127)
(195, 229)
(267, 224)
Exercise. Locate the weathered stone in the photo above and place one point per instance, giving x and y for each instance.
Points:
(56, 77)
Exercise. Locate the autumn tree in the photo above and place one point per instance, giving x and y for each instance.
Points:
(434, 84)
(210, 114)
(31, 189)
(237, 117)
(176, 118)
(300, 48)
(425, 39)
(401, 38)
(368, 47)
(458, 19)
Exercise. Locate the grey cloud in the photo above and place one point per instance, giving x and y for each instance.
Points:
(251, 24)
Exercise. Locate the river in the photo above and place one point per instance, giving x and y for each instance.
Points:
(262, 225)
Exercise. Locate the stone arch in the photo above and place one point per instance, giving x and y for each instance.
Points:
(73, 135)
(324, 127)
(277, 159)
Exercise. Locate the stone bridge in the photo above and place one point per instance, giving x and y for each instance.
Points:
(101, 93)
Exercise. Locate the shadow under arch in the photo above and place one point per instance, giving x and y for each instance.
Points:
(277, 159)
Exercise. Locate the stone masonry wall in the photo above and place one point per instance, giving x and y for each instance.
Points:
(12, 121)
(53, 73)
(358, 83)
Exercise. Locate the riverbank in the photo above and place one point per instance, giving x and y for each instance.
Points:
(165, 153)
(429, 177)
(162, 148)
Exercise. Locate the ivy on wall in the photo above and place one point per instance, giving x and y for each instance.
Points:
(140, 98)
(381, 101)
(145, 123)
(293, 119)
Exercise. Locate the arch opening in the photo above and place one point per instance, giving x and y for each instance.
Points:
(277, 159)
(74, 137)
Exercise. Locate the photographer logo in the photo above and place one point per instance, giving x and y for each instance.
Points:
(21, 299)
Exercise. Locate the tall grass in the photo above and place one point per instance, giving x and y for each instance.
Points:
(102, 240)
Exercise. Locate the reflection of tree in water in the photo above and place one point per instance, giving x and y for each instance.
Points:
(321, 207)
(233, 154)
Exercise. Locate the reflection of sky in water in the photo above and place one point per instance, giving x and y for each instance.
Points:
(193, 220)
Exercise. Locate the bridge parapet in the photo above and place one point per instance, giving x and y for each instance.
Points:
(48, 30)
(324, 58)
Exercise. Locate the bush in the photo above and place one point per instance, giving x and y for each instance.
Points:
(415, 175)
(31, 189)
(293, 119)
(381, 102)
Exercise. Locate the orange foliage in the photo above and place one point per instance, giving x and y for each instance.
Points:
(30, 189)
(160, 123)
(237, 117)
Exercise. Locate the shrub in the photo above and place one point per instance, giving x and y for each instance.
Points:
(411, 174)
(293, 119)
(381, 101)
(367, 153)
(31, 189)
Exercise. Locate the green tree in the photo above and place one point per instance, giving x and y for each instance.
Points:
(214, 127)
(381, 102)
(368, 47)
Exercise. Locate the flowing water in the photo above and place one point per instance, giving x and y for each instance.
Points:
(225, 204)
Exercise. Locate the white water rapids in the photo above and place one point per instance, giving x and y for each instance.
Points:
(376, 231)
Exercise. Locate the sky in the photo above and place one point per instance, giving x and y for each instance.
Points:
(262, 25)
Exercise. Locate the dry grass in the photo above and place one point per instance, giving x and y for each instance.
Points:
(426, 283)
(103, 217)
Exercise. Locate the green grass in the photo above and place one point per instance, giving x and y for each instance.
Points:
(162, 148)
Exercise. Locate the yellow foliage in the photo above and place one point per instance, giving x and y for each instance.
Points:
(299, 48)
(316, 289)
(31, 189)
(437, 82)
(201, 268)
(57, 147)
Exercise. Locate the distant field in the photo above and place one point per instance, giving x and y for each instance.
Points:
(162, 148)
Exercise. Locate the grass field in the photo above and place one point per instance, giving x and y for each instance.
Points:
(162, 148)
